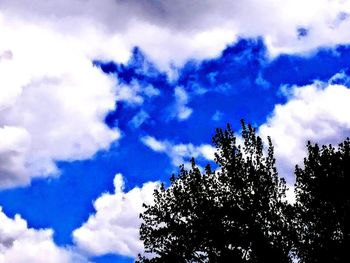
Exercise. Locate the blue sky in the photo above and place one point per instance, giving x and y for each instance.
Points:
(93, 117)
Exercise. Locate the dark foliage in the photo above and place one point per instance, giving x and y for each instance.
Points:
(236, 214)
(323, 204)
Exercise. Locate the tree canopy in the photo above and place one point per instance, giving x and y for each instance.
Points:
(323, 204)
(236, 213)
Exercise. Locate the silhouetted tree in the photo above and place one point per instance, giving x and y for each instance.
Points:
(323, 204)
(236, 214)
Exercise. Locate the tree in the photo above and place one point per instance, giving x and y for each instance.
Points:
(323, 204)
(236, 214)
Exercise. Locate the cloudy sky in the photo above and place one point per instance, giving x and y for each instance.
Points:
(101, 100)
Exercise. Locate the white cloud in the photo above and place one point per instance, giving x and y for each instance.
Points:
(207, 151)
(173, 31)
(14, 144)
(319, 113)
(114, 228)
(182, 112)
(53, 102)
(179, 153)
(20, 244)
(139, 119)
(130, 94)
(290, 194)
(151, 91)
(154, 144)
(6, 55)
(56, 101)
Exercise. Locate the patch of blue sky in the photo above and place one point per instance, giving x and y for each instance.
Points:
(303, 70)
(110, 258)
(241, 83)
(302, 32)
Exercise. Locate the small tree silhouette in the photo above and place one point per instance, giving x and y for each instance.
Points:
(323, 204)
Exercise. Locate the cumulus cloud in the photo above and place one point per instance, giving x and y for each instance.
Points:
(55, 100)
(173, 31)
(318, 112)
(18, 244)
(114, 228)
(179, 153)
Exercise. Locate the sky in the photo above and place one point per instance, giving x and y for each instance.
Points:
(102, 100)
